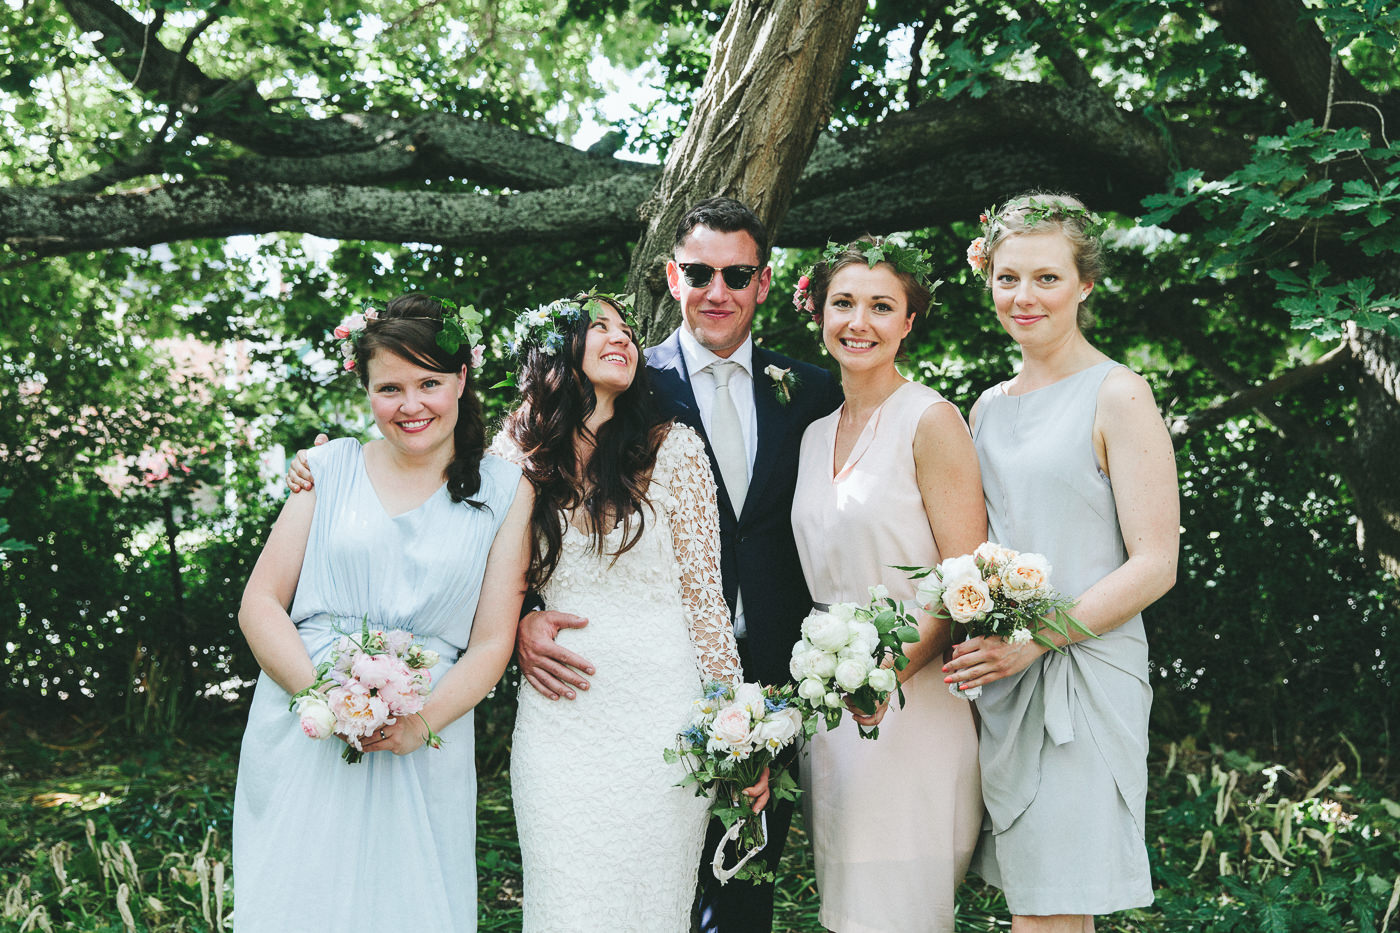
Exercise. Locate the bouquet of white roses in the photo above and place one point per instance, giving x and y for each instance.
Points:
(368, 682)
(735, 732)
(997, 591)
(851, 651)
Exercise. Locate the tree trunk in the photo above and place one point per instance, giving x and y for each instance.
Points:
(766, 98)
(1375, 446)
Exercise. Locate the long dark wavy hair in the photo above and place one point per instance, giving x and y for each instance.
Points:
(556, 399)
(408, 327)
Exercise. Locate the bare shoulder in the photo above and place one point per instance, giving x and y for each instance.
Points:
(940, 420)
(942, 441)
(1125, 394)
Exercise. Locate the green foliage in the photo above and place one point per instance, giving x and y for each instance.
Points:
(9, 544)
(1237, 843)
(1270, 212)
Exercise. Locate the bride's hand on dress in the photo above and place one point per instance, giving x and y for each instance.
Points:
(299, 477)
(549, 667)
(758, 794)
(982, 660)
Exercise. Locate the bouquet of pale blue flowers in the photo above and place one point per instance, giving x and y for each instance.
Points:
(735, 731)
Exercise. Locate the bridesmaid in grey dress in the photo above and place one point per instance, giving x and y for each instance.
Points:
(1077, 465)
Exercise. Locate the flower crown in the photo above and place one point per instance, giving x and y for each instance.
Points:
(1035, 212)
(459, 326)
(545, 327)
(910, 260)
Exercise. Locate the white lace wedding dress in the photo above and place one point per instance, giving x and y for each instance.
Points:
(608, 842)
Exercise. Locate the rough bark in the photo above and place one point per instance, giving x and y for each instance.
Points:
(1376, 447)
(765, 99)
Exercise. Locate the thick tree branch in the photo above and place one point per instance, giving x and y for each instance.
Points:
(349, 148)
(1257, 397)
(936, 164)
(44, 223)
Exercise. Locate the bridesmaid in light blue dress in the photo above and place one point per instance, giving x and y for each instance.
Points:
(417, 531)
(1076, 465)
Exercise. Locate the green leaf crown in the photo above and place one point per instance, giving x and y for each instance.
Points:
(460, 325)
(1034, 211)
(910, 260)
(545, 327)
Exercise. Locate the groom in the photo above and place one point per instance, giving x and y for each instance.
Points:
(751, 417)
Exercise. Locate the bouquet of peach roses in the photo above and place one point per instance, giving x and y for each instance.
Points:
(997, 591)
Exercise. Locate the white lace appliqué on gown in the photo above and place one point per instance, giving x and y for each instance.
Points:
(608, 841)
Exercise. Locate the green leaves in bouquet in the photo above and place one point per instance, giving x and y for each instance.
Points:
(897, 627)
(1058, 620)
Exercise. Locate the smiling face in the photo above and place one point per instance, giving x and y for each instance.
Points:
(414, 408)
(1036, 288)
(609, 355)
(865, 317)
(717, 316)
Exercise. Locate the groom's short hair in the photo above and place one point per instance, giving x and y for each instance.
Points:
(724, 215)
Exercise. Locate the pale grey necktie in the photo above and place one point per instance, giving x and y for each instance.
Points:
(727, 437)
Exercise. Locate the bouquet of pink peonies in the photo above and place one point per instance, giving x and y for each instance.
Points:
(851, 651)
(735, 731)
(997, 591)
(368, 682)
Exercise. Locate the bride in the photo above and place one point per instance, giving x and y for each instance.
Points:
(625, 532)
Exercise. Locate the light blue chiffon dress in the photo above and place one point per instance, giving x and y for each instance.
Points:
(1064, 743)
(389, 843)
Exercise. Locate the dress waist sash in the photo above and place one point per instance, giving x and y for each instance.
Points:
(320, 631)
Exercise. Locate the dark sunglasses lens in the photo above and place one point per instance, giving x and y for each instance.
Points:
(697, 274)
(737, 277)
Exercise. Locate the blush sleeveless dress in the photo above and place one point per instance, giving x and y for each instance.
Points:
(1064, 743)
(389, 843)
(893, 821)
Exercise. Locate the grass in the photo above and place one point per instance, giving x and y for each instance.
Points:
(100, 831)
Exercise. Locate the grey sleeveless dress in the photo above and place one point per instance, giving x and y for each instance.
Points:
(1063, 744)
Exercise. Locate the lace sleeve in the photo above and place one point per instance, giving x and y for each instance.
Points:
(695, 537)
(502, 446)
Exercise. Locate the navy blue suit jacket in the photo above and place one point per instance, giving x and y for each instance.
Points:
(757, 548)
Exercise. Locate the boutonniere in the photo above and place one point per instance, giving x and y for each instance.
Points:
(784, 381)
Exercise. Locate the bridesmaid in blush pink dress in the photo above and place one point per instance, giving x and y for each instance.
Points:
(888, 479)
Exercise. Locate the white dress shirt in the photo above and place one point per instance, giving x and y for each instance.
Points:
(702, 382)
